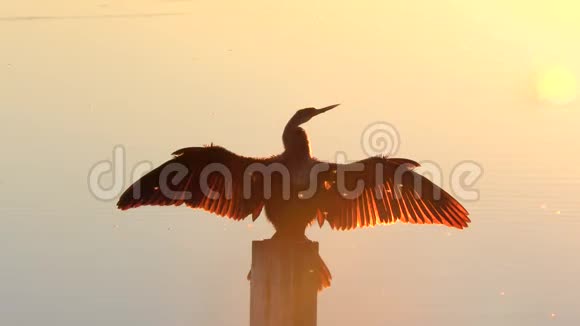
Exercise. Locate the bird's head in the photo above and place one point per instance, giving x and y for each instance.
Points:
(294, 137)
(304, 115)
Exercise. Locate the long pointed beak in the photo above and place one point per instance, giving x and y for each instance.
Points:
(328, 108)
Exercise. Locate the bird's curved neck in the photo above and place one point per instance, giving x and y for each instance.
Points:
(295, 140)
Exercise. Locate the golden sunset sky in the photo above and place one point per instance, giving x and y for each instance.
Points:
(494, 82)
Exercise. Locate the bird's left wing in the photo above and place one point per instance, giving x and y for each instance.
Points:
(211, 178)
(382, 190)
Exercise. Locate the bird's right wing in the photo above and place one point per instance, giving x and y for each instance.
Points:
(211, 178)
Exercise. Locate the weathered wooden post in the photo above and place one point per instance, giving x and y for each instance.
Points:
(284, 283)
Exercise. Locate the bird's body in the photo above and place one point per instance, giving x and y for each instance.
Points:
(295, 189)
(291, 216)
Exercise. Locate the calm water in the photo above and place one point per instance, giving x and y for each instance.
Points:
(456, 81)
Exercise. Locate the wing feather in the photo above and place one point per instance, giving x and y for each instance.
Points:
(392, 192)
(179, 181)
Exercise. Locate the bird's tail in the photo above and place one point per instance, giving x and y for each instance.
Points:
(323, 273)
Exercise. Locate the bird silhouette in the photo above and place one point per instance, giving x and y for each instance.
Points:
(295, 189)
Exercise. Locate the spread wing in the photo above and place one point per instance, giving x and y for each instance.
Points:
(388, 191)
(211, 178)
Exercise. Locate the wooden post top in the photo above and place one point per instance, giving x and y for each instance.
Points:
(283, 244)
(285, 279)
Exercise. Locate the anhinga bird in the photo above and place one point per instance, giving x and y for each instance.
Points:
(296, 189)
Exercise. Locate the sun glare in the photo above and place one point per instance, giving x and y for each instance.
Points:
(556, 85)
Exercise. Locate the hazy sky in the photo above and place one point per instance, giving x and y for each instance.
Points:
(458, 79)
